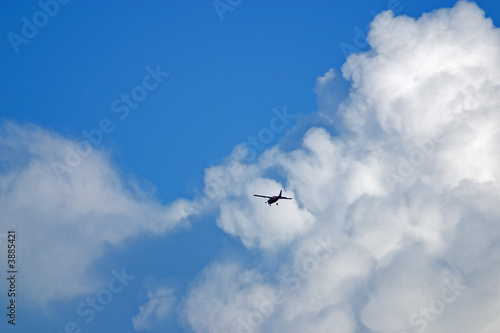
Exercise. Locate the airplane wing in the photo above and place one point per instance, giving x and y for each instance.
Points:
(286, 198)
(262, 196)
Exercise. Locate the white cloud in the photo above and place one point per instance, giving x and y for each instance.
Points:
(64, 220)
(393, 225)
(159, 306)
(408, 191)
(228, 297)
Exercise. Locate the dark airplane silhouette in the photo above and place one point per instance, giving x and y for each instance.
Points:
(272, 199)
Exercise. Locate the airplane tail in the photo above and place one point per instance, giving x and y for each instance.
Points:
(280, 194)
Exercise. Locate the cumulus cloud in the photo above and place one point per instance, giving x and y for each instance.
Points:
(158, 307)
(66, 203)
(226, 300)
(393, 226)
(408, 194)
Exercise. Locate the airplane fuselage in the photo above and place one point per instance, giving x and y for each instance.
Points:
(272, 200)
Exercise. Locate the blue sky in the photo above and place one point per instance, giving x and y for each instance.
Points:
(170, 92)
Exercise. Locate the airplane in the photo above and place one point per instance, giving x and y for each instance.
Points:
(272, 199)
